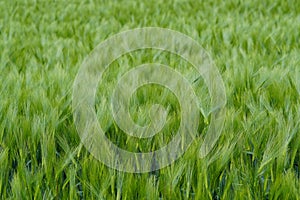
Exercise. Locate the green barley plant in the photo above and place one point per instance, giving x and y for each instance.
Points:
(255, 46)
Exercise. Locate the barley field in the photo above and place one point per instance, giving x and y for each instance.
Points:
(254, 44)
